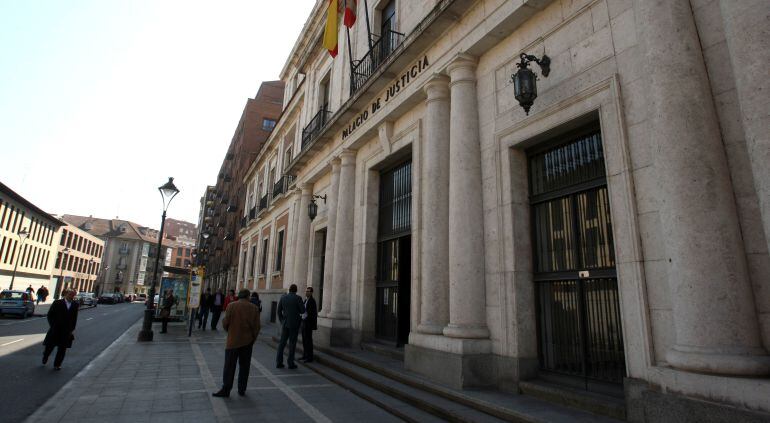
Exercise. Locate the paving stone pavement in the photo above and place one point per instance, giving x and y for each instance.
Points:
(171, 380)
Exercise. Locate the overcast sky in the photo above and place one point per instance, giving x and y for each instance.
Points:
(102, 100)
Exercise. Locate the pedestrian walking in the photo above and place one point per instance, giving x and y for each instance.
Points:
(231, 297)
(30, 292)
(216, 308)
(256, 301)
(309, 324)
(165, 311)
(205, 306)
(39, 295)
(62, 319)
(290, 310)
(242, 325)
(45, 294)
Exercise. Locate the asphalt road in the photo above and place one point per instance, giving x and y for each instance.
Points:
(24, 383)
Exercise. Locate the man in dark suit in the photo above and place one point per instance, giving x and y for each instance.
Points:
(207, 302)
(290, 310)
(309, 324)
(62, 318)
(217, 303)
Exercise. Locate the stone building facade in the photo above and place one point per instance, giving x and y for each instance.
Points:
(26, 259)
(225, 205)
(128, 262)
(78, 260)
(614, 238)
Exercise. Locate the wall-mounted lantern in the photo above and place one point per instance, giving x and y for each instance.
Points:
(525, 81)
(312, 208)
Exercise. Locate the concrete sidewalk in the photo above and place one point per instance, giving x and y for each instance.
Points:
(171, 380)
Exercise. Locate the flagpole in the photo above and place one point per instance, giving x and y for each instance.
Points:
(368, 28)
(350, 59)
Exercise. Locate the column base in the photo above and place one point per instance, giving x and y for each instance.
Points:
(746, 362)
(334, 332)
(468, 332)
(454, 362)
(430, 329)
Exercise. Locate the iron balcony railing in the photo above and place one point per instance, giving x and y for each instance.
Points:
(313, 128)
(282, 185)
(379, 53)
(263, 202)
(244, 221)
(232, 207)
(253, 213)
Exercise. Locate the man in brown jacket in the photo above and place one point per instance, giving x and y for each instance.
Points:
(242, 325)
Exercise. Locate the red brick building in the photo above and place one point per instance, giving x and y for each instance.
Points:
(224, 205)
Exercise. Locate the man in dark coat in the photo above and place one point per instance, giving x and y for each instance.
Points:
(217, 304)
(309, 324)
(290, 310)
(207, 301)
(62, 318)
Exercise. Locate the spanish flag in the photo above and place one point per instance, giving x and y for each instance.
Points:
(331, 31)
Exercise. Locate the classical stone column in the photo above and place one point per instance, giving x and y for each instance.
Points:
(331, 224)
(714, 315)
(434, 218)
(467, 297)
(303, 236)
(343, 238)
(748, 40)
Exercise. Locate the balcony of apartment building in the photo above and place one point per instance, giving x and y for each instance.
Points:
(313, 128)
(263, 203)
(232, 207)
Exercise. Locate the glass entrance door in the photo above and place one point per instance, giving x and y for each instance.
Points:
(579, 328)
(394, 255)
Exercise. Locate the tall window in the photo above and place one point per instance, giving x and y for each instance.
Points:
(253, 259)
(263, 263)
(279, 252)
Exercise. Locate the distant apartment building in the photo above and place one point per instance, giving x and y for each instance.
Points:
(182, 237)
(129, 253)
(27, 242)
(225, 205)
(78, 260)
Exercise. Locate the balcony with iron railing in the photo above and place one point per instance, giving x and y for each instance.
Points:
(313, 128)
(232, 207)
(282, 185)
(253, 213)
(263, 202)
(379, 53)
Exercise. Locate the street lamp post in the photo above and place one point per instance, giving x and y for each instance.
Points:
(23, 234)
(61, 274)
(168, 191)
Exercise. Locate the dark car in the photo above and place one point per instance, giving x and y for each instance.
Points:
(108, 298)
(16, 302)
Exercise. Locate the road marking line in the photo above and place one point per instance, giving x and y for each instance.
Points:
(12, 342)
(21, 321)
(296, 398)
(220, 409)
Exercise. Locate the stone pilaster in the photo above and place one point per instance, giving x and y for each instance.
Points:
(343, 238)
(299, 274)
(331, 224)
(434, 248)
(467, 290)
(748, 41)
(714, 315)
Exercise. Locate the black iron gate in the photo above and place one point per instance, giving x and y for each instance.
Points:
(579, 327)
(394, 255)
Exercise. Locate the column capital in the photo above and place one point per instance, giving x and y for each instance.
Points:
(437, 87)
(347, 157)
(334, 163)
(462, 68)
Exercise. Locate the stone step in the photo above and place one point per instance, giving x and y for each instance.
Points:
(593, 402)
(386, 350)
(388, 375)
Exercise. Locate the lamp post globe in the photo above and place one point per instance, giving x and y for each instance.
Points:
(23, 234)
(167, 192)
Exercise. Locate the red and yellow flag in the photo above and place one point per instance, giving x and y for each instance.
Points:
(331, 31)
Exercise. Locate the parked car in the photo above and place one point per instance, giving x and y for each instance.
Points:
(108, 298)
(142, 298)
(16, 302)
(87, 298)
